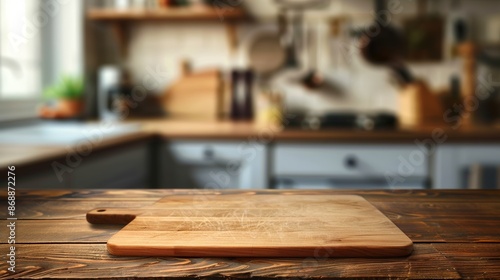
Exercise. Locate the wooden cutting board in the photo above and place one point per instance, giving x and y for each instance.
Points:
(254, 226)
(197, 95)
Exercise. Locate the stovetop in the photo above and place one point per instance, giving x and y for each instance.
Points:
(341, 120)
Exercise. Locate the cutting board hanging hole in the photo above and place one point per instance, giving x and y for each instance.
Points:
(115, 216)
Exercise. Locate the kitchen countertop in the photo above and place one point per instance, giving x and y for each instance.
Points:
(455, 235)
(28, 154)
(173, 129)
(183, 129)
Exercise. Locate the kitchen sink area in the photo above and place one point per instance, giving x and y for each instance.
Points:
(65, 133)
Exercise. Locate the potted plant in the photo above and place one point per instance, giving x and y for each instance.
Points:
(66, 96)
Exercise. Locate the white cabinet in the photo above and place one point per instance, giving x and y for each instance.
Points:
(213, 165)
(348, 166)
(453, 163)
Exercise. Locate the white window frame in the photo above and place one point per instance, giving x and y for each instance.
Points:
(62, 42)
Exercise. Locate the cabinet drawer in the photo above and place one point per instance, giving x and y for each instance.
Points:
(319, 183)
(453, 163)
(349, 160)
(197, 152)
(213, 164)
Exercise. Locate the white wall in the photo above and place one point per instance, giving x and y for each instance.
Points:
(165, 45)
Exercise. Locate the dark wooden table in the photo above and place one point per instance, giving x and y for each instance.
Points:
(456, 235)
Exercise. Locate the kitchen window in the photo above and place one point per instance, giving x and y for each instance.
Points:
(39, 42)
(20, 59)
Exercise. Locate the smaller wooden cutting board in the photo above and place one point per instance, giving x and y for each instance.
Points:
(268, 225)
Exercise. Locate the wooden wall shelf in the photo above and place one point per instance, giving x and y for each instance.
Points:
(173, 14)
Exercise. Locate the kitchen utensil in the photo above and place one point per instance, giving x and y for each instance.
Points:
(488, 65)
(455, 89)
(336, 47)
(287, 39)
(291, 21)
(468, 51)
(254, 226)
(314, 80)
(383, 44)
(266, 54)
(424, 35)
(460, 30)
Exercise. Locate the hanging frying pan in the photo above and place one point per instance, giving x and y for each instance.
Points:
(383, 44)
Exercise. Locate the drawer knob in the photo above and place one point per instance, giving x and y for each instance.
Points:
(351, 162)
(208, 153)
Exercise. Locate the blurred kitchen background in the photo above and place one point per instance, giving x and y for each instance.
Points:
(292, 94)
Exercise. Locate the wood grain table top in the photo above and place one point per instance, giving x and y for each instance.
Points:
(456, 235)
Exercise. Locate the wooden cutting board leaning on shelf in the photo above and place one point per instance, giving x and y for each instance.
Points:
(267, 225)
(195, 94)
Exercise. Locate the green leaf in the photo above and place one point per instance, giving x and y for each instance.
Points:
(67, 88)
